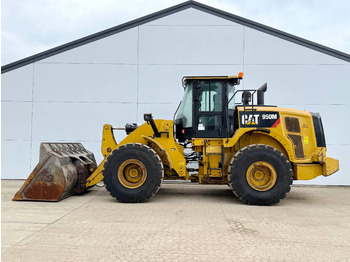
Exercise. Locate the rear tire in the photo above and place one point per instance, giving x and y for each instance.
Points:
(133, 173)
(260, 175)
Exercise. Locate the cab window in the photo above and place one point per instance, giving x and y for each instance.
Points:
(210, 99)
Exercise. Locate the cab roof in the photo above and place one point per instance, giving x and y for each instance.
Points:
(234, 80)
(239, 76)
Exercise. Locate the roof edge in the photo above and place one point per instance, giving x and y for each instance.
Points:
(97, 36)
(169, 11)
(272, 31)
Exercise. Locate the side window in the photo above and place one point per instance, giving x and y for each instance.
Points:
(210, 99)
(230, 93)
(185, 110)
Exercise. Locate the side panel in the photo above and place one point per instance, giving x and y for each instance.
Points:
(290, 131)
(212, 169)
(293, 129)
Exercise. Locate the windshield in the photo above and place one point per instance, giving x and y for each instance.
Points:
(185, 110)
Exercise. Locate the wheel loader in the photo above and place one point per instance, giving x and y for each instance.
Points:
(219, 135)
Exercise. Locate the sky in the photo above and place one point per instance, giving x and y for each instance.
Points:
(32, 26)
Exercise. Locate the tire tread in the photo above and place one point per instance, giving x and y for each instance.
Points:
(156, 158)
(236, 159)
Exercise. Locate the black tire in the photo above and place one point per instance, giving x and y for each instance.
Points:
(249, 158)
(116, 183)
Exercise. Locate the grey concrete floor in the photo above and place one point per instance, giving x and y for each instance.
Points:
(183, 222)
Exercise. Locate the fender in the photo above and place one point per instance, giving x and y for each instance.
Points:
(168, 149)
(283, 141)
(161, 151)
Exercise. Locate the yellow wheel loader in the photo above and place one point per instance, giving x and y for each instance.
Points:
(256, 149)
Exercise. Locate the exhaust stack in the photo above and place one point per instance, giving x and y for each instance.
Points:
(260, 93)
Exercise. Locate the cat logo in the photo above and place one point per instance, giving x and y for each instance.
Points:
(250, 119)
(259, 119)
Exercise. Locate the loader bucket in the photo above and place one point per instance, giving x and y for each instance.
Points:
(62, 171)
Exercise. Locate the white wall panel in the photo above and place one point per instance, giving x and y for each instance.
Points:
(159, 111)
(120, 48)
(262, 48)
(191, 16)
(85, 83)
(163, 83)
(300, 84)
(17, 84)
(15, 159)
(16, 120)
(78, 121)
(191, 45)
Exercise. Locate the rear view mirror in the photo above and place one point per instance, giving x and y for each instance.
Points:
(246, 97)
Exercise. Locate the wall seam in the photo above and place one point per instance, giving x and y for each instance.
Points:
(243, 53)
(31, 121)
(138, 73)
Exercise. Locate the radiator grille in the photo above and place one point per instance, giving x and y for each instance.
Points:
(298, 145)
(292, 124)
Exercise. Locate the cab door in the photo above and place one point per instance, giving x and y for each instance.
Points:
(209, 109)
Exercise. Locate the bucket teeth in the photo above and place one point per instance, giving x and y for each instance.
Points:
(62, 171)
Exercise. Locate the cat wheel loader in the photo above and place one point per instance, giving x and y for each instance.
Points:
(256, 149)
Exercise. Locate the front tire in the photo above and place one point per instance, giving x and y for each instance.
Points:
(260, 175)
(133, 173)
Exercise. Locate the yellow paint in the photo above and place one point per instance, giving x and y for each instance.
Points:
(330, 166)
(211, 169)
(161, 151)
(311, 171)
(261, 176)
(250, 123)
(132, 173)
(96, 176)
(108, 140)
(306, 171)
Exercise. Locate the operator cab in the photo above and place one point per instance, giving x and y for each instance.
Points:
(207, 107)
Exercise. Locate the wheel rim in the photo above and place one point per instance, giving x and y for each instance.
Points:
(261, 176)
(132, 173)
